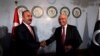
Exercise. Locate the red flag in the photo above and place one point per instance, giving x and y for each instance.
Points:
(15, 21)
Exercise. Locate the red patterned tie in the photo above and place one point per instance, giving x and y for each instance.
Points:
(63, 35)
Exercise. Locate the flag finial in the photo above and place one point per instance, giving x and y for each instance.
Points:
(16, 2)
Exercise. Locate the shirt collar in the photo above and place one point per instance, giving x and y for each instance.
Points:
(65, 26)
(26, 24)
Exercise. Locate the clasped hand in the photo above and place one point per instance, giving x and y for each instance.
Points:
(43, 43)
(67, 48)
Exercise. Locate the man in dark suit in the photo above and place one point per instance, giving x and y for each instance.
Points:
(27, 42)
(67, 38)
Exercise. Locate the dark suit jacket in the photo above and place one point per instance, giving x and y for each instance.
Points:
(26, 44)
(72, 38)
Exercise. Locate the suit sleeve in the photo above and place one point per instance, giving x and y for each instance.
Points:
(52, 38)
(76, 38)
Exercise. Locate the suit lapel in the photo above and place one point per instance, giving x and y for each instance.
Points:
(68, 34)
(27, 30)
(33, 31)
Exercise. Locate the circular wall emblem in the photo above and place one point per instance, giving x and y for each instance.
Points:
(52, 11)
(37, 11)
(76, 12)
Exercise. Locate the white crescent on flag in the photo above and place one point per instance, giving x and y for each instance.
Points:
(15, 24)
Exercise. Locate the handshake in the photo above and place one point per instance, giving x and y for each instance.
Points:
(43, 43)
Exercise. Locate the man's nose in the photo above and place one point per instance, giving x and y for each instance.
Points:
(30, 17)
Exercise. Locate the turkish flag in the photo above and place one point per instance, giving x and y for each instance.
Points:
(15, 21)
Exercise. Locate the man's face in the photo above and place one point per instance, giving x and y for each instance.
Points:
(27, 17)
(62, 20)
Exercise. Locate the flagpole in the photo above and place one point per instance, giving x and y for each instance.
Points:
(15, 23)
(99, 12)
